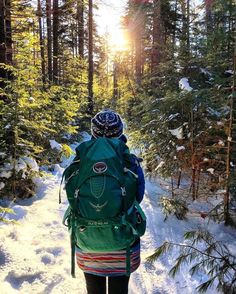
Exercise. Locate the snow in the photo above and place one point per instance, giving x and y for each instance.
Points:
(179, 148)
(2, 185)
(5, 174)
(35, 253)
(172, 116)
(205, 72)
(211, 170)
(31, 99)
(55, 145)
(221, 143)
(229, 71)
(31, 162)
(212, 111)
(178, 132)
(206, 159)
(220, 123)
(184, 85)
(21, 165)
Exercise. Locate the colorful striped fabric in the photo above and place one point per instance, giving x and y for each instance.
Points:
(108, 263)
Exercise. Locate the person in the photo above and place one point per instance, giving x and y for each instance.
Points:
(101, 266)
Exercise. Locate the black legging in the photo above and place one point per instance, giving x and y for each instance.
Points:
(97, 285)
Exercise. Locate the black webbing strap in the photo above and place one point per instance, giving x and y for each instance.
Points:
(72, 242)
(125, 210)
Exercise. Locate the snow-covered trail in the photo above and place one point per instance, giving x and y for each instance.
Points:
(35, 254)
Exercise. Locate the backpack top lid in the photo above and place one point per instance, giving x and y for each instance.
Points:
(101, 147)
(102, 153)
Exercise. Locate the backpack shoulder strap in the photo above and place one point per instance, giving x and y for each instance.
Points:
(67, 173)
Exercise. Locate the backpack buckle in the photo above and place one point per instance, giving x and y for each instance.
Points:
(123, 191)
(76, 194)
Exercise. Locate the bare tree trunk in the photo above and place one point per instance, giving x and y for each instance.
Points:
(179, 178)
(6, 58)
(157, 36)
(138, 40)
(198, 181)
(41, 42)
(55, 41)
(80, 13)
(5, 42)
(138, 57)
(172, 187)
(115, 83)
(230, 194)
(175, 26)
(8, 32)
(209, 19)
(185, 35)
(90, 60)
(49, 37)
(2, 43)
(193, 158)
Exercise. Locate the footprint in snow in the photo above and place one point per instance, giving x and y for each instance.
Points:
(17, 279)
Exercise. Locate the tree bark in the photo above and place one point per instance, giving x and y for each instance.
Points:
(5, 41)
(90, 59)
(209, 19)
(115, 84)
(138, 35)
(2, 43)
(8, 32)
(49, 37)
(230, 195)
(157, 36)
(80, 17)
(55, 41)
(41, 42)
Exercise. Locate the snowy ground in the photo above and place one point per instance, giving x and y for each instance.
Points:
(35, 254)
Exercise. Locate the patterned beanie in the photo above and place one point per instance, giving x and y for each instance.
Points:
(106, 123)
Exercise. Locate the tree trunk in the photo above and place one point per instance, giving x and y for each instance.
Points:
(5, 42)
(90, 60)
(230, 195)
(209, 20)
(49, 37)
(41, 41)
(138, 57)
(80, 17)
(157, 36)
(115, 84)
(8, 32)
(2, 43)
(138, 35)
(55, 41)
(185, 36)
(174, 29)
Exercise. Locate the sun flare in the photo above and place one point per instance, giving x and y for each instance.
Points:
(118, 41)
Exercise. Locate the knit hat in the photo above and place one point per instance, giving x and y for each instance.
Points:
(106, 123)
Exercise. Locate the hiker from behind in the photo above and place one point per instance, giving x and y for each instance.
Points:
(104, 186)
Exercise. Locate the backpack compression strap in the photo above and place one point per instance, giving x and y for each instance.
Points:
(125, 209)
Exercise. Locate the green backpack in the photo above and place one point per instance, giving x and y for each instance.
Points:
(103, 214)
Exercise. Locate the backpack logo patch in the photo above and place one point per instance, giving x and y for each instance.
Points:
(98, 207)
(99, 167)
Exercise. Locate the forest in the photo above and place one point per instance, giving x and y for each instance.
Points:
(171, 77)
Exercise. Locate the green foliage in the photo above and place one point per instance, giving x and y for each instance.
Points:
(172, 206)
(203, 253)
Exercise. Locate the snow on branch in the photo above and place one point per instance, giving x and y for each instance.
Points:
(184, 85)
